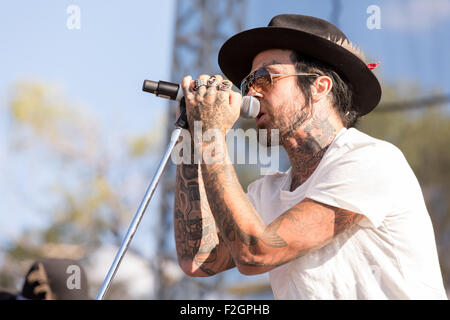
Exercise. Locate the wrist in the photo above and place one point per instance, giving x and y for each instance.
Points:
(214, 148)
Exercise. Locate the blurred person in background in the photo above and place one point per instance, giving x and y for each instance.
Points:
(52, 279)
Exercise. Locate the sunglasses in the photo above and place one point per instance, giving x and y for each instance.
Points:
(262, 79)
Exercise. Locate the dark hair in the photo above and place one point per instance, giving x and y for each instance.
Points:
(341, 91)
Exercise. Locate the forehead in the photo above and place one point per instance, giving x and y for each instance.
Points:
(276, 58)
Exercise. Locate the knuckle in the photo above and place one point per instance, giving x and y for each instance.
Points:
(198, 98)
(189, 98)
(211, 91)
(201, 90)
(186, 80)
(210, 99)
(223, 96)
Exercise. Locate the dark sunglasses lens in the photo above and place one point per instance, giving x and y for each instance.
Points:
(260, 78)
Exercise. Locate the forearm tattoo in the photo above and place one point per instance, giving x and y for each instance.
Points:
(300, 230)
(195, 229)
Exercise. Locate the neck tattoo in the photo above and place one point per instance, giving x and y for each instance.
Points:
(306, 154)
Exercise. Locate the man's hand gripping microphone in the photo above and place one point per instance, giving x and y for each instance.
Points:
(249, 107)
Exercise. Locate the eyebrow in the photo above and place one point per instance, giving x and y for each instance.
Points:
(274, 62)
(270, 63)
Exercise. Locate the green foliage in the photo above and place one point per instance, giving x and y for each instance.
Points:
(89, 203)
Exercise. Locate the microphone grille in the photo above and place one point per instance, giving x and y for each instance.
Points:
(249, 107)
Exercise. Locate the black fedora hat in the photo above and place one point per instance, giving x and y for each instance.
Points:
(309, 36)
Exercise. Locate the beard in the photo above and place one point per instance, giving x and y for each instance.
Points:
(269, 137)
(275, 129)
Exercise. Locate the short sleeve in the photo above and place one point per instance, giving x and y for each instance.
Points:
(365, 180)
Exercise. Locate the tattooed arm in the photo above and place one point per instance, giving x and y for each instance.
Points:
(257, 248)
(200, 249)
(254, 247)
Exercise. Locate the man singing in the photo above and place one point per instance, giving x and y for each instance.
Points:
(348, 219)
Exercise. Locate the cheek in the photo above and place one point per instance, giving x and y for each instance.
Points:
(284, 105)
(275, 103)
(288, 106)
(296, 104)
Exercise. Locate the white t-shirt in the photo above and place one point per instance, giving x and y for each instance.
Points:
(390, 254)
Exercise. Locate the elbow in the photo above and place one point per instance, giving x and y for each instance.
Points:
(246, 269)
(188, 269)
(251, 269)
(191, 269)
(251, 265)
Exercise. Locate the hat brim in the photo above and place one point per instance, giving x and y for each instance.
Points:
(237, 53)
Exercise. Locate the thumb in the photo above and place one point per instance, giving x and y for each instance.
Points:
(235, 101)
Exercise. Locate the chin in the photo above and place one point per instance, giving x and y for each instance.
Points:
(268, 137)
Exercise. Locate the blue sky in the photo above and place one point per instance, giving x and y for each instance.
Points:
(121, 43)
(412, 45)
(100, 67)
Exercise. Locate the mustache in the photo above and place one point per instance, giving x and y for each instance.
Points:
(264, 105)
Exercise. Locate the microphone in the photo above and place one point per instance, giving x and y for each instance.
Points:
(249, 107)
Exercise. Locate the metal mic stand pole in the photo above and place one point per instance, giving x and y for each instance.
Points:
(180, 125)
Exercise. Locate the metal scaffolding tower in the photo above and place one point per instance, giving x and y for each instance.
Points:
(201, 27)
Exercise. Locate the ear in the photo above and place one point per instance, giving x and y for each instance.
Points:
(321, 87)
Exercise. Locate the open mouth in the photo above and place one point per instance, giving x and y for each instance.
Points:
(260, 115)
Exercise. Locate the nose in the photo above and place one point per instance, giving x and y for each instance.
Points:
(254, 93)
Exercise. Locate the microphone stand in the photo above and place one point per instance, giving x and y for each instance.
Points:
(180, 124)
